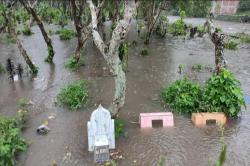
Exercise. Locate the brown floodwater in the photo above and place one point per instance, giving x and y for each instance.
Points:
(66, 144)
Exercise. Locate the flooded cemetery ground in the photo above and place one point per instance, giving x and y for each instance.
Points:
(66, 144)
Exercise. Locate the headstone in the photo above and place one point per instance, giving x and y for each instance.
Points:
(101, 134)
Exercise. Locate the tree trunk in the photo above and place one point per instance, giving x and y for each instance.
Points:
(48, 41)
(26, 57)
(218, 40)
(111, 52)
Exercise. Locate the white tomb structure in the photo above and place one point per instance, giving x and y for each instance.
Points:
(101, 134)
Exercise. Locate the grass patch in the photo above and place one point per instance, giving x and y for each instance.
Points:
(231, 45)
(65, 34)
(74, 95)
(178, 28)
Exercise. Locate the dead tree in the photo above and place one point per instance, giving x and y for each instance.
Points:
(218, 40)
(110, 51)
(30, 9)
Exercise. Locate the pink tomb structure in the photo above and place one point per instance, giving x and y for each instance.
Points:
(147, 118)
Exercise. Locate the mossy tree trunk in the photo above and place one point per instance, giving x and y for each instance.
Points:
(30, 9)
(218, 41)
(111, 52)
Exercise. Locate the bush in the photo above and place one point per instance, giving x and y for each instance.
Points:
(231, 45)
(178, 27)
(144, 51)
(119, 128)
(223, 94)
(10, 141)
(183, 96)
(74, 95)
(21, 15)
(198, 67)
(27, 31)
(244, 38)
(65, 34)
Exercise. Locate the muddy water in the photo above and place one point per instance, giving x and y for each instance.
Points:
(66, 144)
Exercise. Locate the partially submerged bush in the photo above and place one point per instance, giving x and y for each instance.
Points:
(119, 128)
(244, 38)
(72, 63)
(144, 51)
(10, 140)
(21, 15)
(27, 31)
(65, 34)
(183, 96)
(231, 45)
(74, 95)
(178, 27)
(223, 94)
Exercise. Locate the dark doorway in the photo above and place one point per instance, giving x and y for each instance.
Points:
(211, 122)
(157, 123)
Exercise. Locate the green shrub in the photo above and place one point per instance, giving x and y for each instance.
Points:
(27, 31)
(65, 34)
(2, 68)
(183, 96)
(22, 102)
(74, 95)
(119, 128)
(223, 94)
(144, 51)
(231, 45)
(10, 141)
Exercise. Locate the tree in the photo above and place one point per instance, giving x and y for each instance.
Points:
(218, 40)
(110, 51)
(152, 11)
(30, 8)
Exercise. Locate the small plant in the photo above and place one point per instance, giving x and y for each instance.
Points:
(119, 128)
(22, 102)
(244, 38)
(223, 94)
(144, 51)
(181, 67)
(51, 53)
(162, 160)
(231, 45)
(74, 95)
(27, 31)
(183, 96)
(65, 34)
